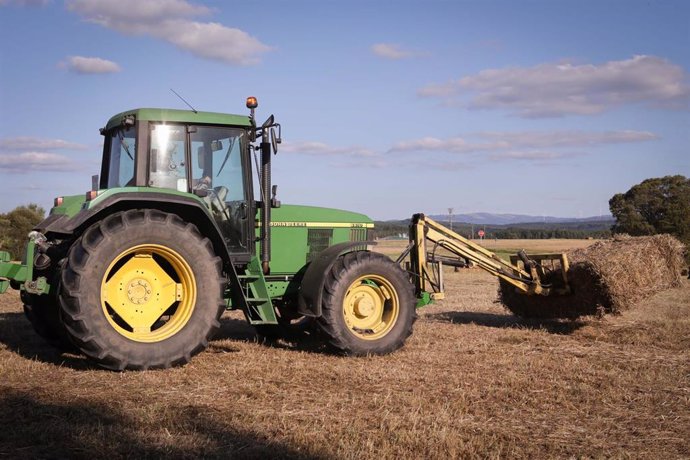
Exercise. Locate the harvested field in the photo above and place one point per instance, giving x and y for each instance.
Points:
(535, 246)
(395, 247)
(473, 381)
(606, 277)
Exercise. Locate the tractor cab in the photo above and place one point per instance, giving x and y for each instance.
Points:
(200, 153)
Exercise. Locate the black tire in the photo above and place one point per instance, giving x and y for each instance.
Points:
(43, 312)
(143, 252)
(353, 284)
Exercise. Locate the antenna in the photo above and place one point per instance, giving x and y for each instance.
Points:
(182, 99)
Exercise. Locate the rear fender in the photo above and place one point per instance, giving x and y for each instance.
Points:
(311, 289)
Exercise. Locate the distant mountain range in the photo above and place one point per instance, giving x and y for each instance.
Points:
(486, 218)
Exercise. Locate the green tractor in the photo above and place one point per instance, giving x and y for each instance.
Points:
(137, 273)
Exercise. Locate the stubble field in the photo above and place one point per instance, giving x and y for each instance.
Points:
(472, 381)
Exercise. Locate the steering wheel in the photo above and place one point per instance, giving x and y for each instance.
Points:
(203, 184)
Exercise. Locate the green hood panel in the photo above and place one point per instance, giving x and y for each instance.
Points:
(300, 233)
(308, 216)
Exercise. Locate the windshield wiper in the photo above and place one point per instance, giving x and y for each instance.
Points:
(124, 144)
(227, 155)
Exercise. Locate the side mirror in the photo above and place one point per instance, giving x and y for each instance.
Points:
(269, 121)
(275, 203)
(274, 141)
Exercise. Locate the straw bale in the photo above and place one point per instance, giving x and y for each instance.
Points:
(608, 277)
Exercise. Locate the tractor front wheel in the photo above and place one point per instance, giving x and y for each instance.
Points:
(142, 289)
(43, 312)
(368, 305)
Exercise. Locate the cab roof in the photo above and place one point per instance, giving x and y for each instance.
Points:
(179, 116)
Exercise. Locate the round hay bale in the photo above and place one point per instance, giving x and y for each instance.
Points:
(607, 277)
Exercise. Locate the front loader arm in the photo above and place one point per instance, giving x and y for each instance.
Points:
(526, 278)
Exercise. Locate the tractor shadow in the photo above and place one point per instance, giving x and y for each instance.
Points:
(553, 326)
(235, 330)
(51, 426)
(18, 335)
(239, 330)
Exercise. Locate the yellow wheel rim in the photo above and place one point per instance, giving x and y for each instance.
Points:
(371, 307)
(148, 293)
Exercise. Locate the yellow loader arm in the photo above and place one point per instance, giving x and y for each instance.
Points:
(527, 274)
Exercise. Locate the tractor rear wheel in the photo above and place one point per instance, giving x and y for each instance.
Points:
(142, 289)
(368, 305)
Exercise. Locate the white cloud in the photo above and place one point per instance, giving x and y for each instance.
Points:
(446, 90)
(89, 65)
(170, 20)
(392, 51)
(129, 15)
(530, 156)
(453, 144)
(537, 147)
(26, 162)
(566, 138)
(22, 3)
(37, 143)
(321, 149)
(25, 154)
(558, 89)
(523, 145)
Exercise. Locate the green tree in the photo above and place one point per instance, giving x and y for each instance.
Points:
(16, 225)
(659, 205)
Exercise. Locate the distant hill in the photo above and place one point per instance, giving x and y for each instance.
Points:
(508, 226)
(486, 218)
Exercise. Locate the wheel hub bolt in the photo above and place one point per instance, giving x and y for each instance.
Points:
(364, 306)
(139, 291)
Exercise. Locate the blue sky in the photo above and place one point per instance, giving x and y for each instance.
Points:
(387, 107)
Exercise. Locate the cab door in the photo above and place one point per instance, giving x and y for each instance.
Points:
(220, 166)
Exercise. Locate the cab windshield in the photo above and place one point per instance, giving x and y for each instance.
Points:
(123, 148)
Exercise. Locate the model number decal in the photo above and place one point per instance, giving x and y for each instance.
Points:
(288, 224)
(322, 224)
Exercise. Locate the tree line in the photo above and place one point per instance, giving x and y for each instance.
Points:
(657, 205)
(15, 227)
(533, 231)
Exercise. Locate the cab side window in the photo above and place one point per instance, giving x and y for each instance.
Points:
(217, 160)
(122, 155)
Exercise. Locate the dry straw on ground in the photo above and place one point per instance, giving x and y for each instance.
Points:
(607, 277)
(472, 382)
